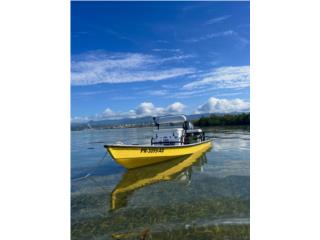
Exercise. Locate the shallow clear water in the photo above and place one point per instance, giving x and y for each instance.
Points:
(202, 198)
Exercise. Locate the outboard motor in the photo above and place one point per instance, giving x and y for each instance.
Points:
(192, 135)
(188, 125)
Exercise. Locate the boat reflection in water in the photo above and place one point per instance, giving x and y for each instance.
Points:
(177, 169)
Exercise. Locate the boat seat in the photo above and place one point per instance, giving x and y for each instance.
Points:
(167, 136)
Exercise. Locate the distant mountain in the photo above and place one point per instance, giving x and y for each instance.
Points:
(136, 121)
(127, 122)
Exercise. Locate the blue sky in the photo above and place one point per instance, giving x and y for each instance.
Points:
(133, 59)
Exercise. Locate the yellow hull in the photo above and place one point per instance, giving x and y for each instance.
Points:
(140, 177)
(133, 156)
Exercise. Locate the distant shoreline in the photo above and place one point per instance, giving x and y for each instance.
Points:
(213, 120)
(223, 120)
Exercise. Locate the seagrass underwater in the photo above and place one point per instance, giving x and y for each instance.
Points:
(206, 196)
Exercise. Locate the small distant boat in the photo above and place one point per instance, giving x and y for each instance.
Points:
(166, 144)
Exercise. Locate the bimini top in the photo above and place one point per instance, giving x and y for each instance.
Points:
(170, 119)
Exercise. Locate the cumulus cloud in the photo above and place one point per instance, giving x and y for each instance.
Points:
(95, 68)
(108, 113)
(142, 110)
(216, 105)
(223, 77)
(176, 107)
(148, 109)
(213, 105)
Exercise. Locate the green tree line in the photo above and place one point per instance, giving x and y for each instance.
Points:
(223, 120)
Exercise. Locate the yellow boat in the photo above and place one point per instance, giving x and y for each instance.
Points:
(132, 156)
(166, 144)
(134, 179)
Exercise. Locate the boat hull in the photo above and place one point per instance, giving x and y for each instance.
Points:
(134, 156)
(138, 178)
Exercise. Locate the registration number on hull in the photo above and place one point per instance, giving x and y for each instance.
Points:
(152, 150)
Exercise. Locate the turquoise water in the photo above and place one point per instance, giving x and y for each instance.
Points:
(208, 198)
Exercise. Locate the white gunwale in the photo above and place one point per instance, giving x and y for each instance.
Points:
(156, 146)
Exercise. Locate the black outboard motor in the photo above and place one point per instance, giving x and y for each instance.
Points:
(192, 135)
(188, 125)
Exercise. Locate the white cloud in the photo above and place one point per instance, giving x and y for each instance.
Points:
(176, 107)
(108, 113)
(216, 105)
(143, 110)
(218, 19)
(223, 77)
(213, 105)
(175, 50)
(212, 35)
(95, 68)
(148, 109)
(82, 119)
(158, 92)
